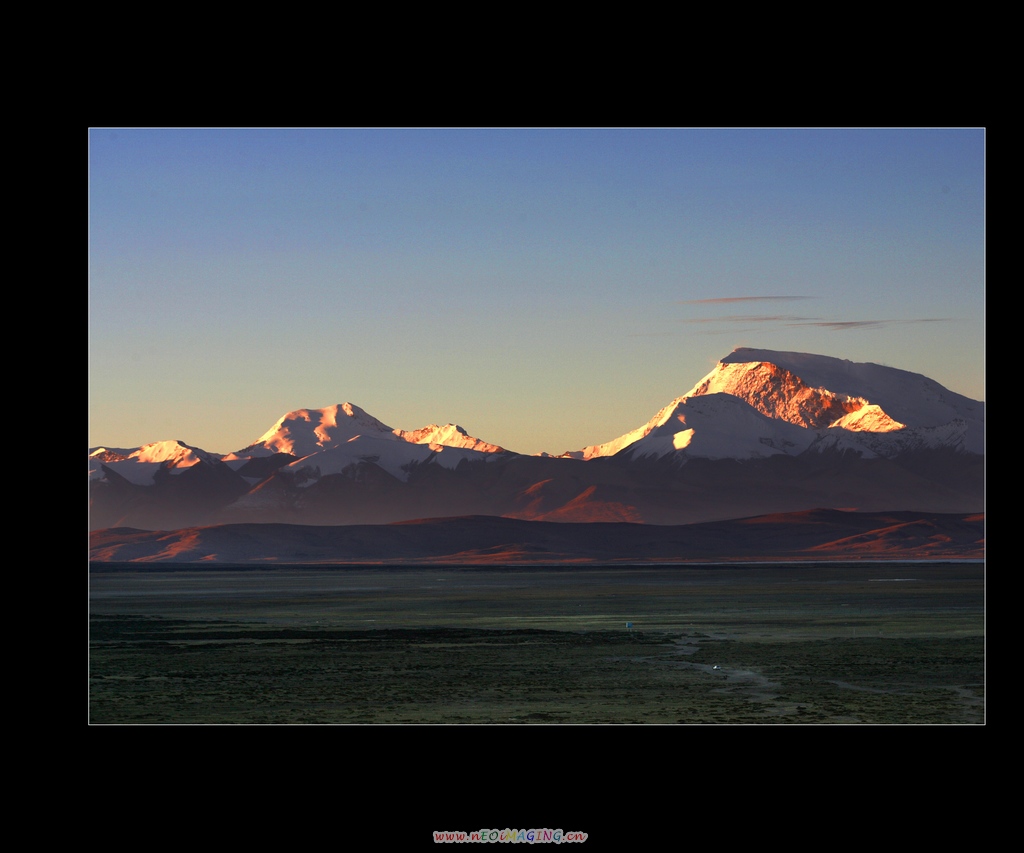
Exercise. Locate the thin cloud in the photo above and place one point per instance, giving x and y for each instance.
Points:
(753, 318)
(845, 325)
(722, 300)
(730, 323)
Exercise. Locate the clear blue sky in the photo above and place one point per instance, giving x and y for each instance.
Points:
(545, 289)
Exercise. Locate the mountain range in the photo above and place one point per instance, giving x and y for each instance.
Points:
(765, 432)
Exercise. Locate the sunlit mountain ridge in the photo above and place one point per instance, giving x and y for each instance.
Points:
(806, 431)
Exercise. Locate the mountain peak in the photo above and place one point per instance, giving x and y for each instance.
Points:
(176, 452)
(305, 431)
(815, 393)
(449, 435)
(140, 464)
(908, 399)
(778, 393)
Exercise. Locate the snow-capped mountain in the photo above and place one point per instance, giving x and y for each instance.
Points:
(449, 435)
(394, 455)
(140, 465)
(761, 395)
(764, 431)
(907, 398)
(307, 431)
(331, 440)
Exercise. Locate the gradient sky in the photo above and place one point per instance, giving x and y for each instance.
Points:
(546, 289)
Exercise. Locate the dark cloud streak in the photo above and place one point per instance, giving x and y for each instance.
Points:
(816, 322)
(844, 325)
(754, 318)
(788, 320)
(721, 300)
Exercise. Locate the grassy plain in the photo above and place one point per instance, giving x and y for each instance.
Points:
(880, 643)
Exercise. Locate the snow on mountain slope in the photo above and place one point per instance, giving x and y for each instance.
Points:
(824, 403)
(869, 418)
(810, 430)
(391, 455)
(139, 465)
(754, 403)
(892, 443)
(449, 435)
(907, 398)
(778, 393)
(307, 431)
(332, 440)
(610, 448)
(711, 426)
